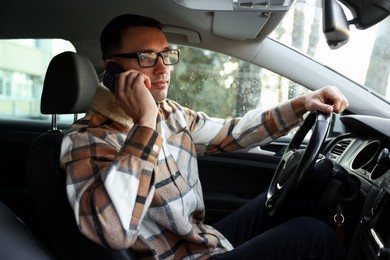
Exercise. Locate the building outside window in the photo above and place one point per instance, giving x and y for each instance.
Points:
(23, 64)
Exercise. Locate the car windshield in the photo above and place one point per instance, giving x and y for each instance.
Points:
(364, 58)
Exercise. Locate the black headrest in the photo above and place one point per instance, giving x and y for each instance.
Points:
(70, 84)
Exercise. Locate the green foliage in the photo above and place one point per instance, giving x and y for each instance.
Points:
(198, 82)
(225, 87)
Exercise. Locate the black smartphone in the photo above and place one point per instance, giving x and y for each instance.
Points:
(109, 76)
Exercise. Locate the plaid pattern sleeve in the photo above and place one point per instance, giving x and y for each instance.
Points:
(213, 135)
(109, 178)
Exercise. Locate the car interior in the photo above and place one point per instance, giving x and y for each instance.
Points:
(345, 161)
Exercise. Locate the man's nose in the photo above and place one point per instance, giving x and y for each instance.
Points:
(160, 64)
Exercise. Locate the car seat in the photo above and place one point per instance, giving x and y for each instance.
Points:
(69, 87)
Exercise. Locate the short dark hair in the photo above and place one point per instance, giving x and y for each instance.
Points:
(111, 36)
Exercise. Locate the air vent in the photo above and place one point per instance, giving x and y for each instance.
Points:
(339, 148)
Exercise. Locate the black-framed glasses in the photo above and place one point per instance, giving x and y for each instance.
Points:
(148, 59)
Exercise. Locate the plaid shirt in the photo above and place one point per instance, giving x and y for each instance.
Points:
(132, 186)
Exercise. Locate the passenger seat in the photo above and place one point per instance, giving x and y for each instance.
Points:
(69, 88)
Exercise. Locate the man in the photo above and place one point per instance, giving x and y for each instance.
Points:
(131, 164)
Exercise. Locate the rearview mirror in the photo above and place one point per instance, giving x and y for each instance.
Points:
(334, 24)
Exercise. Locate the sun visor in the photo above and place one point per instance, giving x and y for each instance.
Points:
(242, 19)
(237, 5)
(239, 26)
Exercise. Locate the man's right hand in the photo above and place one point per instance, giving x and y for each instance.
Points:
(133, 96)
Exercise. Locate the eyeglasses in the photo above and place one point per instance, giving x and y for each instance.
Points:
(147, 59)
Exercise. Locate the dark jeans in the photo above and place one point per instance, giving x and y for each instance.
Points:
(255, 235)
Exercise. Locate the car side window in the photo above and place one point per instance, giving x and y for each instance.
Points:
(203, 80)
(226, 87)
(23, 65)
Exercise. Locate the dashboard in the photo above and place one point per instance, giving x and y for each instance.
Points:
(364, 153)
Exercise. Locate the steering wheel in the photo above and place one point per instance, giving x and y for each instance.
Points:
(296, 164)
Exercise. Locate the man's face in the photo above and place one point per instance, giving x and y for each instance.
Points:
(147, 39)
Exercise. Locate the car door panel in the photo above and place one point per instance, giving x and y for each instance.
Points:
(231, 179)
